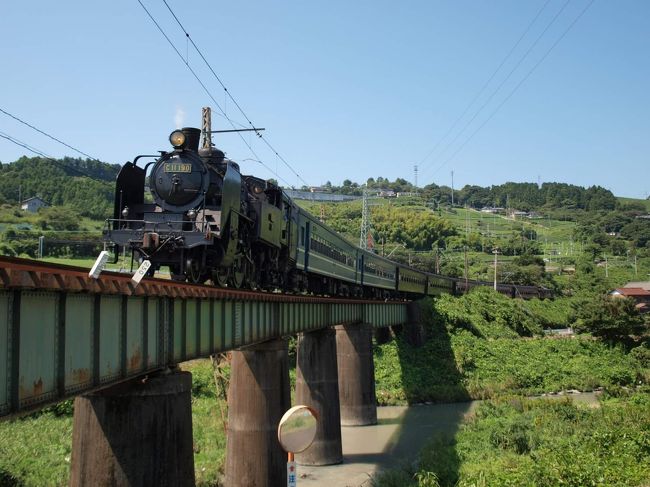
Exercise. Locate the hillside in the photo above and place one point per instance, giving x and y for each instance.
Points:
(569, 226)
(448, 240)
(83, 185)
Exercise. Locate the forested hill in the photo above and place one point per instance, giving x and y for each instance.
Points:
(86, 186)
(520, 196)
(62, 182)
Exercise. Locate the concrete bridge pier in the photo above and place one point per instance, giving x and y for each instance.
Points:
(317, 385)
(356, 374)
(136, 433)
(257, 398)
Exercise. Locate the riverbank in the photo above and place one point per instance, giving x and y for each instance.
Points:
(537, 442)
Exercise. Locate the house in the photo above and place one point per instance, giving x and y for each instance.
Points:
(640, 294)
(33, 204)
(386, 193)
(514, 214)
(492, 210)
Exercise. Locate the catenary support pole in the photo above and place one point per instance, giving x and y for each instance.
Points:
(317, 386)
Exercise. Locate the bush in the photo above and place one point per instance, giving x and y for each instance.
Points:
(611, 318)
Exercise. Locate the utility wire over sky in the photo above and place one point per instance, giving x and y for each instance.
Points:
(444, 162)
(485, 85)
(226, 91)
(40, 152)
(472, 87)
(517, 86)
(48, 135)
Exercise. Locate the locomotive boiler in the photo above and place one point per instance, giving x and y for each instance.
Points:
(200, 216)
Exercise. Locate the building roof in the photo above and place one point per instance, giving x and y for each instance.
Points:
(631, 291)
(33, 198)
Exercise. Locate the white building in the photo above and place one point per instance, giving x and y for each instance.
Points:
(33, 204)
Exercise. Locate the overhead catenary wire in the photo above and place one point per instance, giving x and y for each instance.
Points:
(211, 96)
(207, 91)
(229, 95)
(502, 83)
(517, 86)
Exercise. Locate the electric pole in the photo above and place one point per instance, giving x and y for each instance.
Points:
(452, 188)
(415, 170)
(466, 267)
(496, 252)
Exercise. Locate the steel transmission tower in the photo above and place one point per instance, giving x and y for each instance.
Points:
(365, 221)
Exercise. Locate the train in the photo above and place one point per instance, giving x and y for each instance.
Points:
(192, 210)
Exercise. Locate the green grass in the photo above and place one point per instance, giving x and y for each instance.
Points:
(484, 344)
(35, 451)
(464, 367)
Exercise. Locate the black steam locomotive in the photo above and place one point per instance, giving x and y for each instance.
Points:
(208, 222)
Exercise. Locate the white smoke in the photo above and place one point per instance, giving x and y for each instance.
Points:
(179, 117)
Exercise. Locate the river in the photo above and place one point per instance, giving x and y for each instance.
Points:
(398, 436)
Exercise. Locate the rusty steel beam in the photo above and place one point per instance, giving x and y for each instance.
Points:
(63, 333)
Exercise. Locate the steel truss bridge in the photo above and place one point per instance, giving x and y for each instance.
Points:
(63, 333)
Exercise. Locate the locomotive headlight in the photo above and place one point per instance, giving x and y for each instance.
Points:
(177, 139)
(191, 214)
(125, 212)
(258, 189)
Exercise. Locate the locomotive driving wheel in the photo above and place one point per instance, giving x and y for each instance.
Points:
(221, 276)
(238, 274)
(195, 273)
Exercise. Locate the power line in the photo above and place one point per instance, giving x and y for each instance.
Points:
(207, 91)
(196, 76)
(24, 145)
(503, 82)
(485, 85)
(258, 133)
(49, 158)
(514, 90)
(48, 135)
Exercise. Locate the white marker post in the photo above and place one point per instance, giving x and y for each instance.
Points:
(99, 265)
(141, 272)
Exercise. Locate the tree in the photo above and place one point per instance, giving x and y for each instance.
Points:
(610, 318)
(58, 218)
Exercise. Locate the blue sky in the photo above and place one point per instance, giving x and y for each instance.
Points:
(345, 89)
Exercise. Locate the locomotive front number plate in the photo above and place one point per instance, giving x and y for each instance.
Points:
(177, 167)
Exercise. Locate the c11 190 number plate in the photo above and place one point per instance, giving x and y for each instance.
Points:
(177, 167)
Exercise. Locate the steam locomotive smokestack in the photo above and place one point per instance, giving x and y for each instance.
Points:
(192, 136)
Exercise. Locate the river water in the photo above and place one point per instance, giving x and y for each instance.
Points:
(398, 437)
